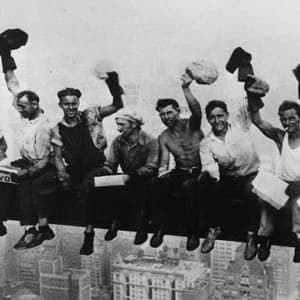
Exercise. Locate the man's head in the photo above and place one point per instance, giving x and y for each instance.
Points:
(28, 104)
(69, 101)
(169, 111)
(128, 122)
(217, 115)
(289, 114)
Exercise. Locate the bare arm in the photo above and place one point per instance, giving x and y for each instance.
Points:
(108, 110)
(192, 102)
(164, 154)
(274, 133)
(12, 84)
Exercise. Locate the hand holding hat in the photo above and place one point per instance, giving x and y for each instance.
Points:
(241, 60)
(296, 72)
(112, 82)
(255, 89)
(203, 71)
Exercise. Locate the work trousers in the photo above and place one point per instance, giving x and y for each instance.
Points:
(174, 200)
(216, 198)
(36, 196)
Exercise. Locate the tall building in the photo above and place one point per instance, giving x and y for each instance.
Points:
(221, 256)
(99, 264)
(71, 239)
(64, 284)
(285, 271)
(146, 278)
(248, 280)
(199, 291)
(28, 268)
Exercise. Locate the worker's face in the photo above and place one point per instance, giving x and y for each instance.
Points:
(26, 108)
(218, 119)
(290, 120)
(125, 127)
(69, 105)
(169, 115)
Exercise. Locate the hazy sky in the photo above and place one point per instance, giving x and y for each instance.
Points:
(67, 37)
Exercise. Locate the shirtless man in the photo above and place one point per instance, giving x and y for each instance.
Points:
(181, 139)
(288, 143)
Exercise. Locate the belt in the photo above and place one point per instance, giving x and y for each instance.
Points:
(189, 170)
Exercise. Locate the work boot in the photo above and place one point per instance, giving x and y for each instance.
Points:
(251, 247)
(296, 258)
(209, 242)
(44, 233)
(87, 247)
(140, 237)
(3, 230)
(157, 238)
(27, 238)
(112, 232)
(264, 249)
(192, 243)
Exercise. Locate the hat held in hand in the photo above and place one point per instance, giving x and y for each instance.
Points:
(296, 72)
(238, 58)
(256, 85)
(12, 39)
(203, 71)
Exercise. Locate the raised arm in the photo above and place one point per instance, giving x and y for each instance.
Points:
(274, 133)
(192, 102)
(116, 91)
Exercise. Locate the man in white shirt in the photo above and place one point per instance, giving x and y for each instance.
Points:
(228, 156)
(34, 200)
(288, 143)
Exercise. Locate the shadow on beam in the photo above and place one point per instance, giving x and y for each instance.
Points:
(69, 211)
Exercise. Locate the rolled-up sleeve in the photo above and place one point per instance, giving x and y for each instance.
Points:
(56, 137)
(151, 166)
(113, 158)
(207, 159)
(42, 143)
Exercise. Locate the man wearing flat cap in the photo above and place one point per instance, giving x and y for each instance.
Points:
(79, 143)
(136, 152)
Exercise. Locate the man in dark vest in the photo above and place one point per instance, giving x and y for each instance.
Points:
(79, 144)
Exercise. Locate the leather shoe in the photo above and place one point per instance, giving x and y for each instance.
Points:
(87, 247)
(251, 247)
(157, 239)
(3, 230)
(192, 243)
(26, 239)
(264, 249)
(209, 242)
(112, 232)
(140, 237)
(296, 258)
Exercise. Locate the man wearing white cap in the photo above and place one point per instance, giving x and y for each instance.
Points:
(288, 143)
(136, 152)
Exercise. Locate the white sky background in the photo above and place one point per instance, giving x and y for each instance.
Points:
(67, 37)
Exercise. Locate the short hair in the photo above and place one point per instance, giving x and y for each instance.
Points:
(68, 92)
(287, 104)
(161, 103)
(31, 96)
(213, 104)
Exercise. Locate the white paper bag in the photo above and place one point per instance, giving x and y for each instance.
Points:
(110, 180)
(270, 188)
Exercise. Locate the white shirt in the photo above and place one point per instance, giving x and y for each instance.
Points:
(235, 156)
(36, 136)
(289, 161)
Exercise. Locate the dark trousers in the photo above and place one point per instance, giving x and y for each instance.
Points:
(7, 192)
(36, 196)
(132, 199)
(218, 196)
(175, 197)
